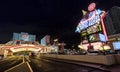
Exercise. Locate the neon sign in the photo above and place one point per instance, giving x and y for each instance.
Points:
(93, 18)
(94, 37)
(116, 45)
(91, 7)
(95, 28)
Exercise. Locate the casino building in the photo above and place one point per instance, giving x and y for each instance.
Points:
(98, 28)
(112, 24)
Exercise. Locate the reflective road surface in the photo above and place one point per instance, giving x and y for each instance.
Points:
(46, 65)
(42, 65)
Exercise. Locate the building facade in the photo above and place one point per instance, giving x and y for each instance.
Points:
(24, 36)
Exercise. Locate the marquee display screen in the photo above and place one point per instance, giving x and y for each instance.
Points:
(94, 37)
(93, 29)
(102, 37)
(116, 45)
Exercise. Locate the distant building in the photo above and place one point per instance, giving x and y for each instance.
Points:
(112, 21)
(112, 24)
(45, 40)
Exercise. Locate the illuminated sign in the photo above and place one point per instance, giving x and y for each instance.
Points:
(112, 39)
(24, 36)
(24, 49)
(94, 37)
(27, 45)
(92, 29)
(95, 28)
(102, 37)
(85, 41)
(116, 45)
(93, 18)
(91, 7)
(96, 46)
(92, 21)
(84, 33)
(118, 39)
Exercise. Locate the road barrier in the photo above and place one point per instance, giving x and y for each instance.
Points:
(99, 59)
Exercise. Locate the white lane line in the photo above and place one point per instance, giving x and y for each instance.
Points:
(13, 67)
(23, 59)
(28, 59)
(29, 67)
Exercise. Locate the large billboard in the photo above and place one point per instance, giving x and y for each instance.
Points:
(16, 36)
(92, 22)
(24, 36)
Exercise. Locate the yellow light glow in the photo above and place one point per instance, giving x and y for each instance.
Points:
(25, 49)
(96, 46)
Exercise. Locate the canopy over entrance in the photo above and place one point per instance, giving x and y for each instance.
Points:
(24, 47)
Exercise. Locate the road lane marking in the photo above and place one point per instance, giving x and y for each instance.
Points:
(28, 59)
(23, 59)
(29, 67)
(13, 67)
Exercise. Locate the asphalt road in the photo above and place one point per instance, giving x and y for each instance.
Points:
(9, 62)
(46, 65)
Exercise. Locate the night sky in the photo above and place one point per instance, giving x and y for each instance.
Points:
(57, 18)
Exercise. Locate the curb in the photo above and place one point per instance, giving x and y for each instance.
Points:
(100, 67)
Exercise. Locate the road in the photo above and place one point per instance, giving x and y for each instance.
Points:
(46, 65)
(43, 65)
(9, 62)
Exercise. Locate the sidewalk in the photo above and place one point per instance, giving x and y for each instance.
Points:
(113, 68)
